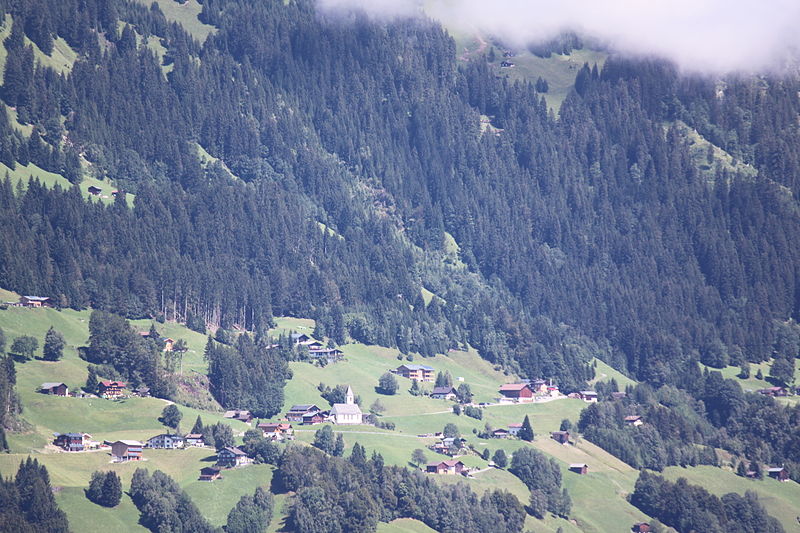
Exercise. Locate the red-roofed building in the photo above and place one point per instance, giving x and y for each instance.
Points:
(110, 389)
(453, 466)
(517, 392)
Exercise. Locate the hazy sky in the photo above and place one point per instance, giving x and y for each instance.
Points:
(715, 36)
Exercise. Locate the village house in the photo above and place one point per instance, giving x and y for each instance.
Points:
(633, 420)
(142, 391)
(348, 412)
(33, 301)
(423, 373)
(94, 191)
(111, 390)
(168, 343)
(315, 418)
(210, 473)
(579, 468)
(448, 446)
(641, 527)
(126, 450)
(516, 392)
(443, 393)
(194, 439)
(500, 433)
(56, 389)
(240, 415)
(71, 442)
(452, 467)
(561, 437)
(588, 396)
(513, 429)
(780, 473)
(165, 441)
(330, 354)
(230, 457)
(537, 386)
(300, 338)
(276, 431)
(315, 345)
(296, 412)
(773, 391)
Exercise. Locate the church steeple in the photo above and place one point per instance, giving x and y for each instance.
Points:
(349, 397)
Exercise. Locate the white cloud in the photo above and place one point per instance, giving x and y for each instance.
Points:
(715, 36)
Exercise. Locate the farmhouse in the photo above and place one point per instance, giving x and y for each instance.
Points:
(56, 389)
(300, 338)
(230, 457)
(538, 386)
(242, 416)
(561, 437)
(415, 372)
(453, 466)
(315, 418)
(33, 301)
(314, 345)
(110, 390)
(588, 396)
(773, 391)
(194, 439)
(448, 446)
(331, 354)
(516, 392)
(579, 468)
(443, 393)
(780, 473)
(94, 191)
(500, 433)
(71, 442)
(276, 430)
(210, 473)
(142, 391)
(296, 412)
(348, 412)
(166, 441)
(126, 450)
(513, 429)
(633, 420)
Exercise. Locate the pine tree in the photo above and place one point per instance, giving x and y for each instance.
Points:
(197, 428)
(91, 380)
(338, 447)
(53, 345)
(112, 490)
(526, 431)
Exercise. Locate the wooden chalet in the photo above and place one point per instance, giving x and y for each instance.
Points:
(452, 467)
(94, 191)
(443, 393)
(513, 429)
(301, 338)
(210, 473)
(331, 354)
(588, 396)
(561, 437)
(56, 389)
(126, 450)
(240, 415)
(500, 433)
(517, 392)
(641, 527)
(423, 373)
(34, 301)
(633, 420)
(314, 418)
(231, 457)
(296, 412)
(111, 389)
(579, 468)
(70, 442)
(276, 430)
(779, 473)
(194, 439)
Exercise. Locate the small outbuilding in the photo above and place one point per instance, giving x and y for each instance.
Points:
(579, 468)
(56, 389)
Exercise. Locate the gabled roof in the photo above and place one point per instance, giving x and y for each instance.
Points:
(416, 367)
(632, 418)
(194, 436)
(109, 383)
(346, 409)
(130, 442)
(588, 393)
(578, 465)
(443, 390)
(303, 407)
(776, 469)
(51, 385)
(513, 387)
(233, 450)
(449, 463)
(36, 298)
(515, 425)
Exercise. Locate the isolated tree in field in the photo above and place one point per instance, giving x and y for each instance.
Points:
(486, 454)
(24, 346)
(418, 457)
(744, 370)
(500, 458)
(741, 470)
(387, 384)
(171, 416)
(451, 431)
(566, 425)
(526, 431)
(414, 390)
(759, 374)
(324, 439)
(443, 379)
(53, 345)
(464, 393)
(377, 407)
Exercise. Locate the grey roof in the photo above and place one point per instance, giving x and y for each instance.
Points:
(589, 393)
(417, 367)
(443, 390)
(51, 385)
(345, 409)
(303, 407)
(37, 298)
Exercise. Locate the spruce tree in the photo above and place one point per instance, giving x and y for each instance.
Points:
(526, 431)
(53, 345)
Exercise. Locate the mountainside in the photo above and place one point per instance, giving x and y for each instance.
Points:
(220, 163)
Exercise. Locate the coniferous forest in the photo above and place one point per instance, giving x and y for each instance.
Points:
(349, 171)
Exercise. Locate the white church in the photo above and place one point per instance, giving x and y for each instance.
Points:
(348, 412)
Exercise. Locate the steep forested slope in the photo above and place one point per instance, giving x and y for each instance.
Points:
(588, 233)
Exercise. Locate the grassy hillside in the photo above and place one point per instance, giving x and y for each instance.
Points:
(185, 14)
(752, 383)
